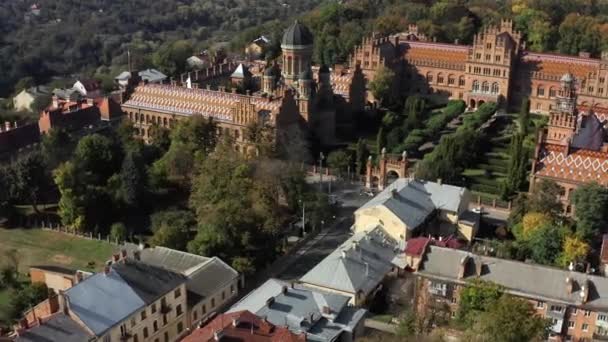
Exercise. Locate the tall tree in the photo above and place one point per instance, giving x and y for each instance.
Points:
(31, 179)
(509, 319)
(381, 86)
(380, 141)
(361, 154)
(591, 210)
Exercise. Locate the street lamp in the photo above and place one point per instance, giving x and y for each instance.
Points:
(303, 216)
(321, 157)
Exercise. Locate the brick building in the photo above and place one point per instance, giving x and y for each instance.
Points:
(75, 115)
(291, 94)
(496, 67)
(575, 302)
(573, 149)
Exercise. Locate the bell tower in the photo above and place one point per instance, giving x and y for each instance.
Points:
(296, 47)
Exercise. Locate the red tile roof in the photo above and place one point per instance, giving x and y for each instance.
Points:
(243, 326)
(579, 166)
(416, 246)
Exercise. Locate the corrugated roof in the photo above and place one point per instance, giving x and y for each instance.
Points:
(211, 276)
(168, 258)
(152, 75)
(413, 200)
(301, 309)
(58, 327)
(359, 264)
(523, 279)
(102, 301)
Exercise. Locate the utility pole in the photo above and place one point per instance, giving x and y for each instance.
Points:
(303, 218)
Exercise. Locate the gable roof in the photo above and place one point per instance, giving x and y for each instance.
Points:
(412, 200)
(519, 278)
(243, 326)
(152, 75)
(359, 264)
(322, 315)
(104, 300)
(241, 71)
(58, 327)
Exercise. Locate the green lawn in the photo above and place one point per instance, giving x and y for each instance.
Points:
(40, 247)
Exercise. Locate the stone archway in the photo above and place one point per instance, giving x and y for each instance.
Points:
(390, 167)
(472, 103)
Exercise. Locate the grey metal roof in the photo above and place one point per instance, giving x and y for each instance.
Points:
(590, 134)
(101, 301)
(210, 277)
(301, 309)
(123, 76)
(519, 278)
(168, 258)
(58, 327)
(297, 35)
(413, 200)
(205, 275)
(67, 94)
(359, 264)
(152, 76)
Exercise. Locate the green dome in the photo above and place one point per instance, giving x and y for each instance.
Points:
(297, 35)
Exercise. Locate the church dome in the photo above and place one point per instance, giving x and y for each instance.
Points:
(567, 77)
(297, 35)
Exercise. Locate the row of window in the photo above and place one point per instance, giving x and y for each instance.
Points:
(485, 87)
(145, 118)
(441, 79)
(488, 57)
(204, 307)
(488, 71)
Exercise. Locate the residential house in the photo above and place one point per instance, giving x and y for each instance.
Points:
(210, 283)
(243, 326)
(358, 267)
(576, 303)
(322, 316)
(147, 76)
(88, 88)
(130, 300)
(411, 207)
(56, 278)
(24, 101)
(257, 48)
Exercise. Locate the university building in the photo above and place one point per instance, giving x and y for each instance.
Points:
(497, 67)
(291, 94)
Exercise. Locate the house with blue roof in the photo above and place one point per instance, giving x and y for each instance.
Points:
(130, 300)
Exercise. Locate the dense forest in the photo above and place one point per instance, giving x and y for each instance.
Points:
(66, 37)
(74, 37)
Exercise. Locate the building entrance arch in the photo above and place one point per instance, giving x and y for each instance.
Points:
(389, 168)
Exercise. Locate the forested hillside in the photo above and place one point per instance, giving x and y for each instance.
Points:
(76, 36)
(71, 36)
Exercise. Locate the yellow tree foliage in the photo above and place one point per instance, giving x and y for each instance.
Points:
(533, 221)
(517, 6)
(574, 250)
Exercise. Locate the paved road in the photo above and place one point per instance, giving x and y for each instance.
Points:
(328, 240)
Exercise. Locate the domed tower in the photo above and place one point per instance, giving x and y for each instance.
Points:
(296, 46)
(566, 100)
(268, 80)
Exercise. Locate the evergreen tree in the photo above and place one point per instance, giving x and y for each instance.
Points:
(362, 154)
(380, 141)
(132, 176)
(524, 116)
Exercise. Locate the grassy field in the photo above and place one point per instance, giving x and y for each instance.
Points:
(40, 247)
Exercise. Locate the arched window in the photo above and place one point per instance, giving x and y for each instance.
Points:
(451, 80)
(147, 118)
(164, 122)
(485, 87)
(476, 86)
(236, 134)
(136, 117)
(551, 92)
(429, 77)
(540, 91)
(494, 88)
(440, 78)
(461, 81)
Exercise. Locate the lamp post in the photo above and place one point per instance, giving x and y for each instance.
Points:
(303, 217)
(321, 157)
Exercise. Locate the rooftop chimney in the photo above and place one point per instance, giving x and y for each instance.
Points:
(585, 291)
(217, 335)
(478, 266)
(284, 290)
(439, 181)
(343, 254)
(235, 322)
(569, 285)
(269, 301)
(79, 277)
(394, 193)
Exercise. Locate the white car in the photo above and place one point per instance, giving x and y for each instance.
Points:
(478, 210)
